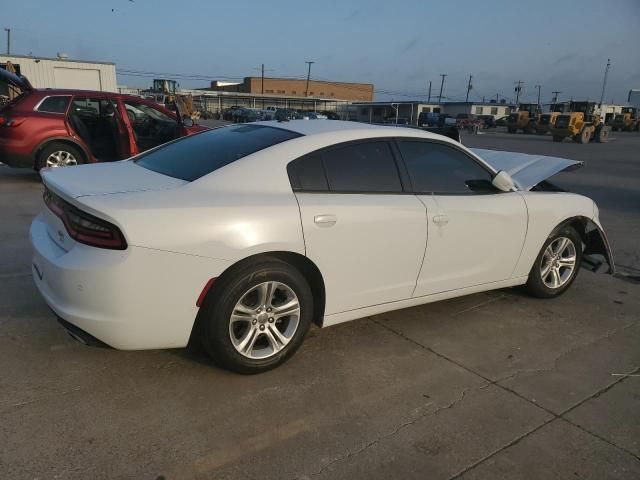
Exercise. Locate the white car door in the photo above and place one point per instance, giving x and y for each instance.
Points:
(476, 232)
(365, 232)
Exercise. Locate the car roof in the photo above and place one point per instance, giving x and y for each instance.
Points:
(68, 91)
(322, 127)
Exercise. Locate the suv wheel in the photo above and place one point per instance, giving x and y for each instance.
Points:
(59, 154)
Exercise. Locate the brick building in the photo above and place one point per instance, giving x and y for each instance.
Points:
(362, 92)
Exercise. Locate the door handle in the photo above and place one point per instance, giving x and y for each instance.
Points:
(325, 221)
(441, 219)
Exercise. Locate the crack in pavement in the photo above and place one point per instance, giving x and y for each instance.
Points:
(571, 350)
(554, 416)
(396, 430)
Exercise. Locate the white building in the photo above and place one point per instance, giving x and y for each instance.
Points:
(64, 73)
(409, 111)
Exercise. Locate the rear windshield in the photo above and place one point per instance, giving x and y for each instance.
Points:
(193, 157)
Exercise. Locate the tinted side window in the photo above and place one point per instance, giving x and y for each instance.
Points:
(307, 173)
(437, 168)
(54, 105)
(362, 167)
(193, 157)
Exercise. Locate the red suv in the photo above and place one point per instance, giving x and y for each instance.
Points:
(54, 128)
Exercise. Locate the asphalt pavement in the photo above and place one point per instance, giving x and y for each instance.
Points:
(493, 385)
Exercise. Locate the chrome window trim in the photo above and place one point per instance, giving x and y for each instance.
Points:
(37, 106)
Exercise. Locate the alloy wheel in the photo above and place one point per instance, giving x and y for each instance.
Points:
(558, 262)
(61, 158)
(264, 320)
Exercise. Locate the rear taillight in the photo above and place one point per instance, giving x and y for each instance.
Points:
(83, 227)
(10, 121)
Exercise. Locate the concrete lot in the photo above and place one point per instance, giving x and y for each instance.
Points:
(494, 385)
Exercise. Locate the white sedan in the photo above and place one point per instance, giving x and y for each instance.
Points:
(241, 237)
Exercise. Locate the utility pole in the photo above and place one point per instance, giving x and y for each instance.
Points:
(538, 87)
(306, 93)
(555, 96)
(604, 81)
(263, 79)
(469, 87)
(441, 87)
(518, 90)
(429, 101)
(497, 98)
(8, 30)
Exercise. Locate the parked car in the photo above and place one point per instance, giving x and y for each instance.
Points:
(331, 115)
(55, 128)
(275, 226)
(229, 112)
(246, 115)
(428, 119)
(314, 116)
(445, 120)
(468, 121)
(284, 114)
(269, 113)
(502, 121)
(488, 121)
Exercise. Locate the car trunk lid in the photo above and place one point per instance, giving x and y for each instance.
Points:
(527, 170)
(106, 178)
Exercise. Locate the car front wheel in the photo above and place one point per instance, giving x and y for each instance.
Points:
(257, 317)
(557, 264)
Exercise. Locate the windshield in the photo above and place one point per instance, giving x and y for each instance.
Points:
(193, 157)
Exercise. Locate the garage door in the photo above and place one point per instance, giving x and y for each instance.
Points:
(76, 78)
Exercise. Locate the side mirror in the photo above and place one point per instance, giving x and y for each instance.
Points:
(503, 182)
(187, 121)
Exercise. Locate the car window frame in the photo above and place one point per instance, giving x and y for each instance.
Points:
(43, 99)
(400, 169)
(398, 140)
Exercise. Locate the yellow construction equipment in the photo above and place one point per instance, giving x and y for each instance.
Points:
(583, 124)
(628, 120)
(546, 121)
(524, 119)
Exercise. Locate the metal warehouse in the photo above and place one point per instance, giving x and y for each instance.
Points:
(63, 72)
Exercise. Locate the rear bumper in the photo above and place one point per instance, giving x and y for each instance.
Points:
(15, 153)
(15, 159)
(132, 299)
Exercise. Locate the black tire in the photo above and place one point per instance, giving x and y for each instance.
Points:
(50, 148)
(511, 130)
(213, 325)
(602, 134)
(536, 285)
(615, 129)
(557, 138)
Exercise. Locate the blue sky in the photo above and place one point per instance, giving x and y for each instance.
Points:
(397, 46)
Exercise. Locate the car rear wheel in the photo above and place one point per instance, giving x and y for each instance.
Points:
(557, 264)
(59, 154)
(257, 317)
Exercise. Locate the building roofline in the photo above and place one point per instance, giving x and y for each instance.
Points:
(311, 80)
(2, 55)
